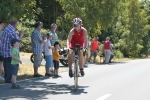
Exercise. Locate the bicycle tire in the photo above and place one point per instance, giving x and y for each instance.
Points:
(32, 58)
(76, 75)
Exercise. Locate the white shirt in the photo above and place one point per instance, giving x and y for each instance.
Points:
(47, 51)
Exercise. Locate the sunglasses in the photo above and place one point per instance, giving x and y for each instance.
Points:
(76, 25)
(53, 27)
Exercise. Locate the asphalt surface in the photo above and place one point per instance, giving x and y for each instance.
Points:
(118, 81)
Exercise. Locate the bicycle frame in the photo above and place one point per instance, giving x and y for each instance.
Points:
(76, 59)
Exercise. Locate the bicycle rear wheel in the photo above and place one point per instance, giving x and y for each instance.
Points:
(76, 75)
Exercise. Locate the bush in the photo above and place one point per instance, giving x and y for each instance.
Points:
(25, 45)
(118, 54)
(63, 43)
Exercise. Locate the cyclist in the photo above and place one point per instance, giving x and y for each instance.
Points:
(77, 35)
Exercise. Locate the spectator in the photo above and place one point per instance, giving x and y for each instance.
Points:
(54, 37)
(1, 58)
(56, 57)
(94, 48)
(37, 47)
(8, 34)
(15, 62)
(48, 54)
(107, 50)
(111, 55)
(53, 31)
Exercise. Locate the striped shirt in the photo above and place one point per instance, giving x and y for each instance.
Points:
(54, 38)
(37, 46)
(8, 34)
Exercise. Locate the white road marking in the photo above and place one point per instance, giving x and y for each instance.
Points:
(104, 97)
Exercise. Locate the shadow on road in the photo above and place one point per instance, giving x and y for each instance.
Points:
(36, 89)
(113, 63)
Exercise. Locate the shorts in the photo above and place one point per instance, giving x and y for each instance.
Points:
(49, 62)
(56, 64)
(37, 59)
(15, 68)
(93, 53)
(1, 58)
(73, 44)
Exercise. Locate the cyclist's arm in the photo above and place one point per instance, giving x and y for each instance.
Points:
(86, 38)
(69, 37)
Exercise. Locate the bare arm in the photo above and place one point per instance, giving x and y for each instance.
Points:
(69, 37)
(51, 47)
(21, 33)
(86, 38)
(44, 39)
(13, 57)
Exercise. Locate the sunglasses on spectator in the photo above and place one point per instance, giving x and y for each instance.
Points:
(53, 27)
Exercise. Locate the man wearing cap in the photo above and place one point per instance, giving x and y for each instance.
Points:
(48, 54)
(8, 34)
(37, 43)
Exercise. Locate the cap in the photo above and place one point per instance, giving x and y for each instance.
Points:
(49, 33)
(14, 40)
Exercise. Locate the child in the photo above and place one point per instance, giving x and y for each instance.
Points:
(48, 54)
(56, 57)
(15, 62)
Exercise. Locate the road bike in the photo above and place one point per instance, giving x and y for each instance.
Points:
(76, 51)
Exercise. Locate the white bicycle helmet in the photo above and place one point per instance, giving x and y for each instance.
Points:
(77, 21)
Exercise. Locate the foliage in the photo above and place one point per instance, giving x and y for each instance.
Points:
(129, 28)
(19, 9)
(127, 22)
(96, 14)
(118, 54)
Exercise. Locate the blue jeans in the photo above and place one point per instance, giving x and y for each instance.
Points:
(7, 69)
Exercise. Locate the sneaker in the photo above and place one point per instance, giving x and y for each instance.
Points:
(82, 72)
(70, 74)
(57, 76)
(48, 74)
(37, 75)
(1, 78)
(85, 65)
(15, 87)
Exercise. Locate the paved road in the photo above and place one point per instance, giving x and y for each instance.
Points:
(122, 81)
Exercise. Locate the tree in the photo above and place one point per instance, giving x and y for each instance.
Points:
(19, 9)
(96, 14)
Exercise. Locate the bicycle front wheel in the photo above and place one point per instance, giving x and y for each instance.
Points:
(76, 75)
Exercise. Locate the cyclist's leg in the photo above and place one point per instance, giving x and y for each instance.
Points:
(81, 62)
(70, 60)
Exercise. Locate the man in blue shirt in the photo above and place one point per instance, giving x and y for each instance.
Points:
(37, 47)
(6, 49)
